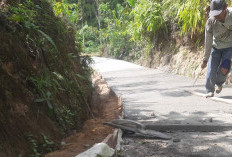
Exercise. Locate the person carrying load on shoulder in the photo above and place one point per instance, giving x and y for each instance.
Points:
(218, 46)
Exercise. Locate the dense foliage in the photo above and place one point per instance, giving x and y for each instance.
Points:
(122, 28)
(45, 84)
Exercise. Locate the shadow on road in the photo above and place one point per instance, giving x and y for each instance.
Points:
(226, 97)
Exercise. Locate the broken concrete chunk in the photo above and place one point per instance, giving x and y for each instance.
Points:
(98, 150)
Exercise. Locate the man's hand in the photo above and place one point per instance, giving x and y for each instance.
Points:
(204, 64)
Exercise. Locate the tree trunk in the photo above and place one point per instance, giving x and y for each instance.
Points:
(98, 16)
(83, 35)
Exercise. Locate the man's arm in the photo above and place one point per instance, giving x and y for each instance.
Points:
(208, 43)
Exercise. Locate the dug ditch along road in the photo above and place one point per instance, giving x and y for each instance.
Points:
(199, 126)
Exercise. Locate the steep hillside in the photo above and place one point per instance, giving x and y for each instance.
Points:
(45, 85)
(177, 54)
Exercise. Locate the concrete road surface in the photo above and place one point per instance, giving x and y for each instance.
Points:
(169, 103)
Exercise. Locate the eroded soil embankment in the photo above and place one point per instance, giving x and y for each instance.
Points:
(105, 106)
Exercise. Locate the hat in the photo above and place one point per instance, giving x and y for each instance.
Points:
(216, 7)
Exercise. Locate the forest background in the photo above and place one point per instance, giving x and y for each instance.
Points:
(153, 33)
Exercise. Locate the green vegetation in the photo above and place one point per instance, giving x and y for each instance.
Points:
(45, 82)
(126, 29)
(34, 146)
(65, 9)
(192, 16)
(40, 147)
(147, 20)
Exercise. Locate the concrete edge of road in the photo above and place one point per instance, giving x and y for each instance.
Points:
(189, 127)
(111, 143)
(228, 101)
(107, 148)
(113, 140)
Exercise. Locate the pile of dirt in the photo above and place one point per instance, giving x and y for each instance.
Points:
(106, 106)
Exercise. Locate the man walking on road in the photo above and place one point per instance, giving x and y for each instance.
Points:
(218, 46)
